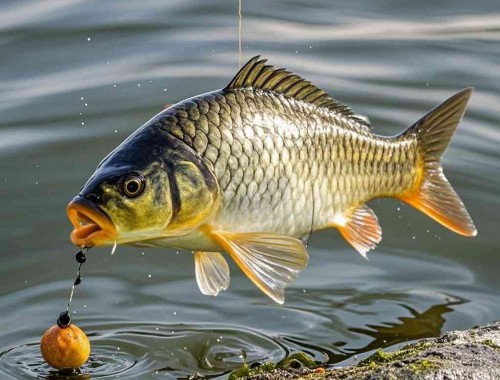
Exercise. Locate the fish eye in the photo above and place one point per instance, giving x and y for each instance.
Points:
(132, 185)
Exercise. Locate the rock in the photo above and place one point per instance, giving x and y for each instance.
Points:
(472, 354)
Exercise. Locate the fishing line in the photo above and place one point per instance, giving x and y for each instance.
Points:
(313, 203)
(312, 217)
(239, 32)
(64, 319)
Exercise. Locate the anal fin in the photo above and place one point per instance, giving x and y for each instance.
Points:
(360, 228)
(271, 261)
(212, 272)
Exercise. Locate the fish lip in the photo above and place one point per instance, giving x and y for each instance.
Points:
(92, 226)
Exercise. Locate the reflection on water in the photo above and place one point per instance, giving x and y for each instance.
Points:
(417, 326)
(78, 77)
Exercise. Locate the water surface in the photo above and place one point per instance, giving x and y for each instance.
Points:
(77, 77)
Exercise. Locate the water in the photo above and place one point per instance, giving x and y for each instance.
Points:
(78, 76)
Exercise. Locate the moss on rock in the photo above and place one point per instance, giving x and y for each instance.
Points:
(473, 354)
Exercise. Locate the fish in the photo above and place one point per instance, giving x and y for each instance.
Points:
(250, 170)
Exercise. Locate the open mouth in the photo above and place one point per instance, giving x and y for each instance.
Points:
(92, 227)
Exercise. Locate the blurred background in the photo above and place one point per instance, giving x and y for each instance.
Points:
(78, 76)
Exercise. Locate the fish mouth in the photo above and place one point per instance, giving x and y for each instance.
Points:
(92, 227)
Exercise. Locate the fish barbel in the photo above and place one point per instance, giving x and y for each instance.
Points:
(253, 168)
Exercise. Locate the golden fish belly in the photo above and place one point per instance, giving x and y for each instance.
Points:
(289, 167)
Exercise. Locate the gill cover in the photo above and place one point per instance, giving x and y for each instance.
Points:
(193, 187)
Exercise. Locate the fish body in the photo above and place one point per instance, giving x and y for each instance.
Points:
(253, 168)
(286, 166)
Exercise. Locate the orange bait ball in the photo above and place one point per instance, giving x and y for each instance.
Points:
(66, 347)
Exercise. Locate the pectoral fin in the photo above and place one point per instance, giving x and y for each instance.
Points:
(271, 261)
(212, 272)
(360, 228)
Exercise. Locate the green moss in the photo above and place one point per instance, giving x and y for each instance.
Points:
(490, 343)
(294, 361)
(246, 371)
(420, 366)
(239, 373)
(382, 357)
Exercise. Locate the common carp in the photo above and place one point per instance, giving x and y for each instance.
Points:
(253, 168)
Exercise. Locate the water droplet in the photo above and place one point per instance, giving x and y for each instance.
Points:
(175, 313)
(142, 253)
(81, 98)
(88, 38)
(86, 104)
(116, 130)
(164, 89)
(139, 85)
(83, 123)
(113, 249)
(114, 85)
(149, 275)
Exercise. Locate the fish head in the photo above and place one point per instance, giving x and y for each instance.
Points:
(152, 186)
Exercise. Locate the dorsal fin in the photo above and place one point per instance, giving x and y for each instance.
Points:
(257, 75)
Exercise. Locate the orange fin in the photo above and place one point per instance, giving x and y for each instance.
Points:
(212, 272)
(434, 195)
(271, 261)
(438, 200)
(361, 229)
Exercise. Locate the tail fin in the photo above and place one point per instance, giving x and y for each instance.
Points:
(435, 197)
